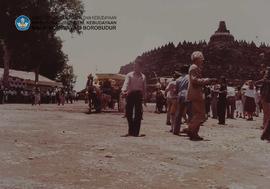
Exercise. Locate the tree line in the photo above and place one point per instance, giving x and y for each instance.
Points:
(38, 50)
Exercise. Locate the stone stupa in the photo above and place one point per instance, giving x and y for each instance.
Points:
(222, 35)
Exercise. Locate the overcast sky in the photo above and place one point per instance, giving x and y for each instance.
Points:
(146, 24)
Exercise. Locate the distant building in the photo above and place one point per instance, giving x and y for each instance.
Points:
(26, 80)
(237, 60)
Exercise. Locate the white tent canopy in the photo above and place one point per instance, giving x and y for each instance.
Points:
(29, 77)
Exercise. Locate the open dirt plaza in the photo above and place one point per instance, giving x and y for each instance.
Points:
(55, 147)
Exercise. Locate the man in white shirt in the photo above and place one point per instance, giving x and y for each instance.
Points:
(231, 100)
(134, 89)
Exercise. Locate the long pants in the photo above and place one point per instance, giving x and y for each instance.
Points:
(257, 108)
(189, 111)
(169, 105)
(198, 116)
(221, 107)
(230, 107)
(243, 103)
(239, 106)
(180, 109)
(214, 108)
(266, 113)
(62, 100)
(37, 99)
(94, 101)
(173, 116)
(134, 102)
(1, 97)
(207, 105)
(122, 105)
(159, 104)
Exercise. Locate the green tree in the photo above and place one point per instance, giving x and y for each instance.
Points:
(38, 50)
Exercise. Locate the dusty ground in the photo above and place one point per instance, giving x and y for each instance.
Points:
(50, 147)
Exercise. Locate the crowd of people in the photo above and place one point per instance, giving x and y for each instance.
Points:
(193, 99)
(198, 98)
(188, 98)
(37, 96)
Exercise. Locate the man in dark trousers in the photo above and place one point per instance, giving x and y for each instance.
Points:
(134, 89)
(222, 101)
(182, 102)
(1, 94)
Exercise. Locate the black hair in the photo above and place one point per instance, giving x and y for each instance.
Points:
(184, 69)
